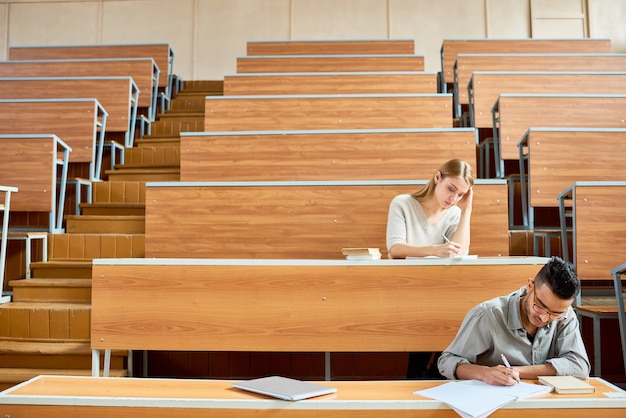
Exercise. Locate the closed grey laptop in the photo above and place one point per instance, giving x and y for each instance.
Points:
(284, 388)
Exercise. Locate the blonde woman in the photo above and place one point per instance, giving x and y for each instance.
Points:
(434, 221)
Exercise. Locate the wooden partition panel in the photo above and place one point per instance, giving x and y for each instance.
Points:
(514, 114)
(331, 47)
(355, 111)
(450, 48)
(558, 157)
(330, 83)
(599, 222)
(292, 305)
(143, 71)
(329, 63)
(162, 54)
(116, 94)
(467, 64)
(311, 220)
(396, 154)
(485, 87)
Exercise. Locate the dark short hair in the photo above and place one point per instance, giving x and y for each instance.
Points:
(561, 277)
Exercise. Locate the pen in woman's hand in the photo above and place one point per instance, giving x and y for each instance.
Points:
(446, 239)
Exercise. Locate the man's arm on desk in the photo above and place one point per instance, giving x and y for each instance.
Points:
(497, 375)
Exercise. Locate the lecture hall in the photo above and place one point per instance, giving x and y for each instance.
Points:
(178, 180)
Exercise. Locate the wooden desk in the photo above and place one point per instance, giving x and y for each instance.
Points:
(144, 72)
(467, 64)
(161, 53)
(291, 305)
(514, 114)
(593, 154)
(485, 86)
(330, 83)
(296, 219)
(329, 63)
(331, 47)
(450, 48)
(321, 155)
(82, 126)
(35, 164)
(118, 95)
(60, 396)
(327, 111)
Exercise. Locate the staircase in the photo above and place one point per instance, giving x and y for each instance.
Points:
(45, 329)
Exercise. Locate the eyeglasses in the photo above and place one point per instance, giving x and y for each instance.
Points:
(542, 310)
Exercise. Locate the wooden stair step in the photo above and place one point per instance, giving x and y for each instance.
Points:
(46, 320)
(51, 290)
(149, 140)
(144, 173)
(75, 269)
(53, 354)
(45, 347)
(113, 209)
(104, 224)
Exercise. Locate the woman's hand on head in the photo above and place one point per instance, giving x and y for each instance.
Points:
(465, 203)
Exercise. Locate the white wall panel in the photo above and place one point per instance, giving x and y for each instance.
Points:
(152, 21)
(339, 19)
(429, 22)
(606, 20)
(52, 23)
(224, 27)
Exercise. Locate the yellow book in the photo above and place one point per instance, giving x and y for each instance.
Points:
(360, 251)
(566, 384)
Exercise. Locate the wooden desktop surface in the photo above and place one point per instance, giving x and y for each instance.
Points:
(61, 396)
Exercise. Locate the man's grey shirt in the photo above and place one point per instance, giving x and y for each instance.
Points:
(495, 327)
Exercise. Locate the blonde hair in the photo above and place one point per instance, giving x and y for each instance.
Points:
(451, 168)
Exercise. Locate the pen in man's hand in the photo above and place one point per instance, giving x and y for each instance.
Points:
(506, 363)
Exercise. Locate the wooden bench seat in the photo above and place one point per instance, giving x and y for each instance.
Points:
(330, 83)
(118, 96)
(144, 72)
(485, 87)
(514, 114)
(81, 127)
(394, 154)
(330, 47)
(300, 219)
(546, 170)
(329, 63)
(34, 164)
(467, 64)
(161, 53)
(450, 48)
(354, 111)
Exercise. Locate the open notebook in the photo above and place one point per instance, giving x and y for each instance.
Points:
(284, 388)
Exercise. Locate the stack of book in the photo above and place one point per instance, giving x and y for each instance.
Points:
(361, 253)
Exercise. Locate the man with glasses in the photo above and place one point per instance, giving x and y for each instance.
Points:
(534, 328)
